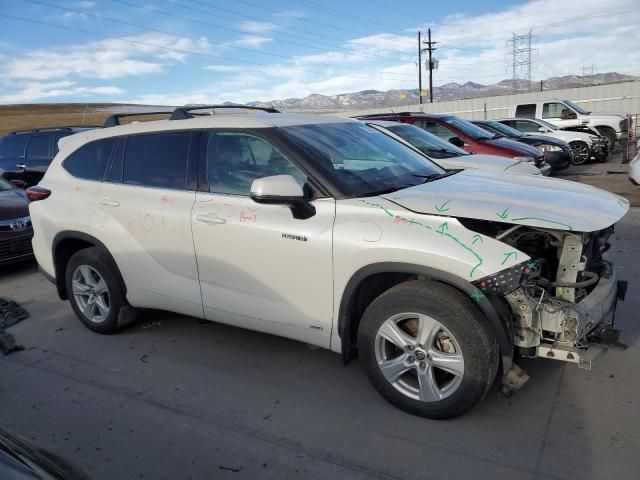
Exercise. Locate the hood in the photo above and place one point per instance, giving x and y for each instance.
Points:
(488, 163)
(522, 149)
(608, 114)
(13, 204)
(546, 139)
(518, 199)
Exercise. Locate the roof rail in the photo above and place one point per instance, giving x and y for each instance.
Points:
(50, 129)
(182, 113)
(114, 120)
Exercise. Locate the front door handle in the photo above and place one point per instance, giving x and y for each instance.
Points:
(22, 166)
(209, 218)
(107, 202)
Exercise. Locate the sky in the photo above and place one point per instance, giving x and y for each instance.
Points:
(174, 52)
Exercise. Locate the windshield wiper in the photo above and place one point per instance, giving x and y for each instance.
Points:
(436, 176)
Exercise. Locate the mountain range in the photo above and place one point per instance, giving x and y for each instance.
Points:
(448, 91)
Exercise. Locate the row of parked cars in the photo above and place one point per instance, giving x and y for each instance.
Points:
(370, 237)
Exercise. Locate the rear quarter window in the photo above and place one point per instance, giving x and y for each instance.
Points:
(90, 161)
(13, 146)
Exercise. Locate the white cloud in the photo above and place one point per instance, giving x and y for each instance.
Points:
(256, 27)
(85, 4)
(251, 41)
(106, 59)
(47, 90)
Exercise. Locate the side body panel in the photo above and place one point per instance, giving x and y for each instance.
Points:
(374, 230)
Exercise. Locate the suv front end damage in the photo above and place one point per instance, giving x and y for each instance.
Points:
(563, 300)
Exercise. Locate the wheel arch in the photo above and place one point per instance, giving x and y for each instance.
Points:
(65, 244)
(382, 276)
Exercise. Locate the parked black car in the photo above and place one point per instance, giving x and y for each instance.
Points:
(15, 224)
(20, 459)
(557, 153)
(26, 154)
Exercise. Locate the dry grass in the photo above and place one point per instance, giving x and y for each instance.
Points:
(22, 117)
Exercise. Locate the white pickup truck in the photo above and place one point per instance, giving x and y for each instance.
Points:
(567, 115)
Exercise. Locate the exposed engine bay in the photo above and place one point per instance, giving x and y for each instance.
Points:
(563, 300)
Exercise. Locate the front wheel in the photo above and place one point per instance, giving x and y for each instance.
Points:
(427, 349)
(94, 289)
(581, 153)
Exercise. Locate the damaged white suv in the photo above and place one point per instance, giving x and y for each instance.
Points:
(328, 231)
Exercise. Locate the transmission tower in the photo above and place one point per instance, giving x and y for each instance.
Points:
(588, 70)
(521, 61)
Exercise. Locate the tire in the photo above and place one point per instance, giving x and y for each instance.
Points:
(610, 135)
(97, 304)
(452, 324)
(582, 153)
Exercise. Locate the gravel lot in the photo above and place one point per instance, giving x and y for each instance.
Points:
(175, 398)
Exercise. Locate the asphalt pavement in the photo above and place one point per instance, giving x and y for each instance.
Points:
(177, 398)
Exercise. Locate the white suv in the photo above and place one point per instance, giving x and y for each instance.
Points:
(327, 231)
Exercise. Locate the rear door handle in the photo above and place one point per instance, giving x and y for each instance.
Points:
(209, 218)
(22, 166)
(107, 202)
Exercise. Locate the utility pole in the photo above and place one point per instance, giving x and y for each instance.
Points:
(430, 49)
(419, 68)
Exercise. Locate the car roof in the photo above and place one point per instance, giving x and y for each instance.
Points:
(405, 114)
(69, 129)
(517, 118)
(221, 120)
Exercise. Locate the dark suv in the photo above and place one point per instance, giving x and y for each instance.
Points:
(26, 154)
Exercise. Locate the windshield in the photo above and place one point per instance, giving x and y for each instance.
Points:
(426, 142)
(360, 159)
(504, 129)
(576, 108)
(550, 126)
(468, 128)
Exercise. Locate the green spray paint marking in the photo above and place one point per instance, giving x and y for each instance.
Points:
(477, 238)
(508, 255)
(541, 220)
(442, 207)
(442, 230)
(504, 214)
(477, 295)
(533, 266)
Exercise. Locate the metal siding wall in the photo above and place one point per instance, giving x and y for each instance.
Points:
(616, 97)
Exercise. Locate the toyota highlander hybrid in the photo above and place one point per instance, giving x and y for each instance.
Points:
(328, 231)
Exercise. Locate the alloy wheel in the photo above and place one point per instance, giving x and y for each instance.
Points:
(581, 153)
(419, 357)
(91, 293)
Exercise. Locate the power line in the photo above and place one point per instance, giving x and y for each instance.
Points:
(181, 50)
(348, 16)
(222, 27)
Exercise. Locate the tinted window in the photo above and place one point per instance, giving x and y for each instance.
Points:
(158, 160)
(90, 161)
(40, 147)
(12, 146)
(435, 129)
(527, 127)
(501, 129)
(467, 128)
(236, 159)
(526, 111)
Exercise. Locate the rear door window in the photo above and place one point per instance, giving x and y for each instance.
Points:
(157, 160)
(90, 161)
(40, 148)
(526, 111)
(13, 146)
(527, 127)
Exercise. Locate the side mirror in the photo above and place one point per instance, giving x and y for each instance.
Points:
(457, 142)
(282, 190)
(19, 184)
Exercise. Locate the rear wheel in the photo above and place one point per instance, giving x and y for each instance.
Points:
(581, 153)
(427, 349)
(95, 290)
